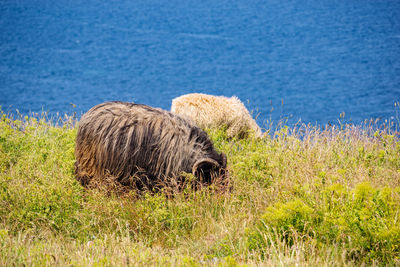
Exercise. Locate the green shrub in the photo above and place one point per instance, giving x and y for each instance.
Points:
(361, 221)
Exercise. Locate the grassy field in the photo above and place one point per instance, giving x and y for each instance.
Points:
(303, 196)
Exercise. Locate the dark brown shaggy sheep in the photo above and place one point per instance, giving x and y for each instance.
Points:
(143, 147)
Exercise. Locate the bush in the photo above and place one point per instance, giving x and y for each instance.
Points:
(358, 220)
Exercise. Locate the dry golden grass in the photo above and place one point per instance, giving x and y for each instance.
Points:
(304, 196)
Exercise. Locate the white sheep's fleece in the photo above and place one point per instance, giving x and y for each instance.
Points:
(209, 111)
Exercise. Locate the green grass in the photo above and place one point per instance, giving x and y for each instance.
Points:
(303, 196)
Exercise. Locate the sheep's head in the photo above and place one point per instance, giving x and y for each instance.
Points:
(210, 170)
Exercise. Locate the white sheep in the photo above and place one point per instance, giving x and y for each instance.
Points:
(209, 111)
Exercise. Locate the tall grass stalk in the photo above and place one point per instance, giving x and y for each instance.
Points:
(303, 195)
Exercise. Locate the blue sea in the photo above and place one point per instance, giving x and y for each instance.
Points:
(311, 60)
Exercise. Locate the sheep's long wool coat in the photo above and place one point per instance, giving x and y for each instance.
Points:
(209, 111)
(122, 139)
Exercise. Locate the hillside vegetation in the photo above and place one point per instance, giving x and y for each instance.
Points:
(301, 196)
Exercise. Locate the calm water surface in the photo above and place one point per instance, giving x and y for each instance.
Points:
(308, 60)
